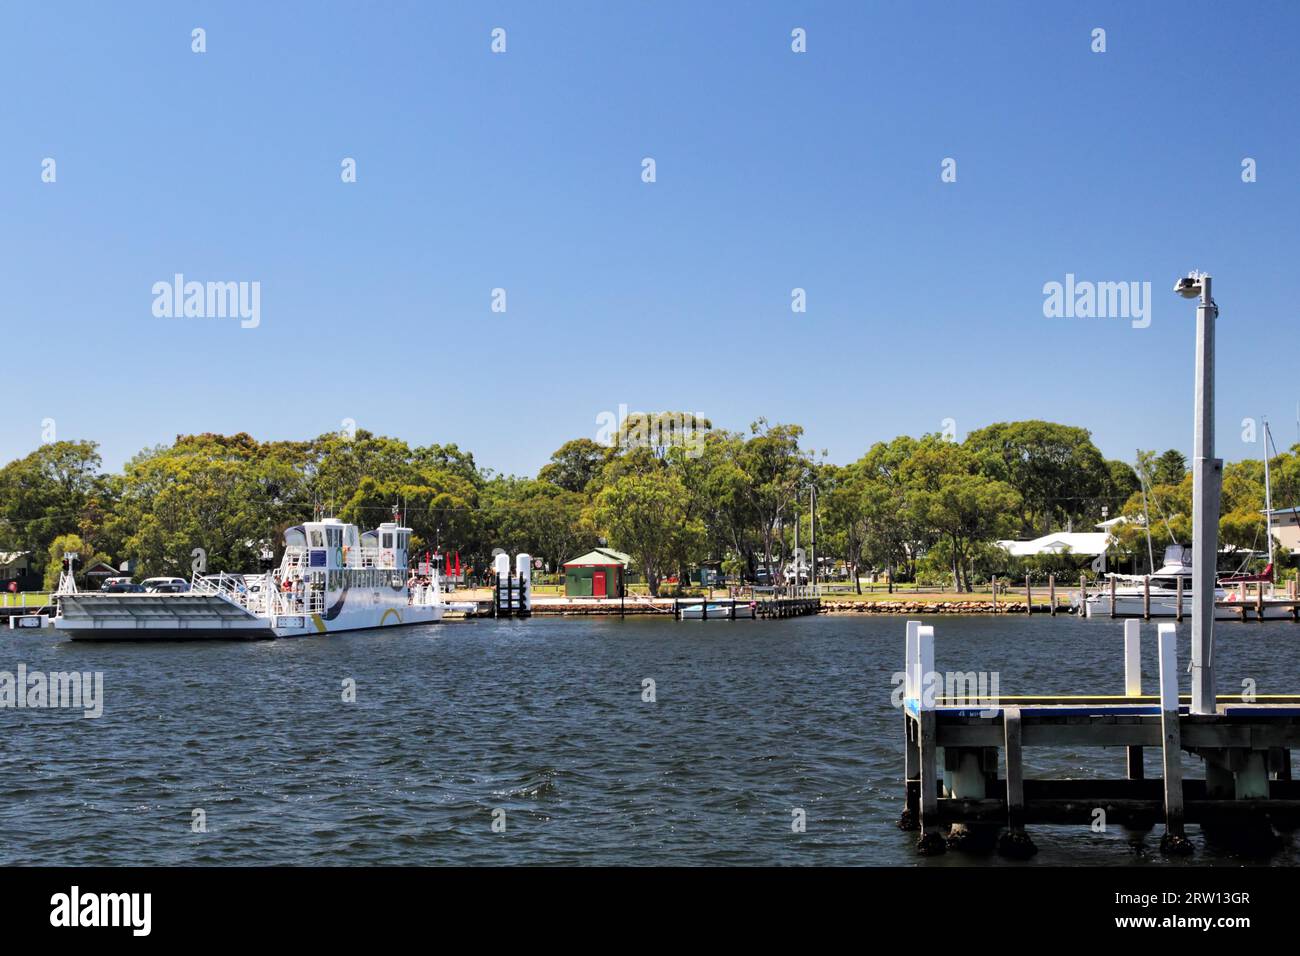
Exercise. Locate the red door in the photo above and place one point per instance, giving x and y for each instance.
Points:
(598, 584)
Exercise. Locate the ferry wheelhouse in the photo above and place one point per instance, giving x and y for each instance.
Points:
(332, 578)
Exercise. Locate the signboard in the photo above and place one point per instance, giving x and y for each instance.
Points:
(316, 559)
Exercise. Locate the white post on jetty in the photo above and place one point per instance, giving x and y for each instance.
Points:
(1132, 658)
(922, 666)
(912, 661)
(1170, 736)
(912, 750)
(524, 571)
(1207, 475)
(1133, 688)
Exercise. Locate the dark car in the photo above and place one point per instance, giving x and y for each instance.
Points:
(122, 587)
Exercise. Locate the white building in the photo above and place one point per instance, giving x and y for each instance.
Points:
(1085, 544)
(1286, 527)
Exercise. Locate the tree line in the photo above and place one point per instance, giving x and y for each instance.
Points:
(926, 509)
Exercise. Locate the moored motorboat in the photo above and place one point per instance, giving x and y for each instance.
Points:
(1132, 592)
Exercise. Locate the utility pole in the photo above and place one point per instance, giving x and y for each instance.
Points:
(812, 536)
(1207, 482)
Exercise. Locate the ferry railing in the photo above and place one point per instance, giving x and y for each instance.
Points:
(225, 585)
(426, 595)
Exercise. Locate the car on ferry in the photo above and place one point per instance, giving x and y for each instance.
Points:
(166, 585)
(121, 586)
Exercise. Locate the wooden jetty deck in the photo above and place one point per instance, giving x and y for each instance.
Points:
(732, 609)
(955, 743)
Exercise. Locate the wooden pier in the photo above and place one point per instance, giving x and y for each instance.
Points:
(789, 607)
(955, 741)
(731, 609)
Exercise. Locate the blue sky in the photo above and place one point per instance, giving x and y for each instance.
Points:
(522, 171)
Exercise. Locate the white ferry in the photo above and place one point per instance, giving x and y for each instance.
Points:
(331, 579)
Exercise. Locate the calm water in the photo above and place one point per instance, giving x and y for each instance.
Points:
(542, 719)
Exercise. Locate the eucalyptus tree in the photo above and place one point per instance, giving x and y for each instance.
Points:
(1057, 471)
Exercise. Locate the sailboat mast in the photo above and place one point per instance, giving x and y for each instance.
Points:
(1146, 515)
(1268, 495)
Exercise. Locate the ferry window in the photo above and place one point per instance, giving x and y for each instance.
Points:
(388, 539)
(316, 540)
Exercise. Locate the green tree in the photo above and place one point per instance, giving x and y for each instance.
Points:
(1056, 470)
(222, 494)
(1170, 468)
(49, 493)
(966, 509)
(574, 464)
(646, 516)
(69, 544)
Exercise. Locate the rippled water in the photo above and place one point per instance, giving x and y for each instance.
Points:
(543, 719)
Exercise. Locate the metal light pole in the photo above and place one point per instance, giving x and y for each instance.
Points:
(1207, 481)
(812, 535)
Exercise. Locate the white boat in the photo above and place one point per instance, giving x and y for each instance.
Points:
(716, 612)
(331, 579)
(1131, 591)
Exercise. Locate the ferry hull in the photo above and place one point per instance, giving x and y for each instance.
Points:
(194, 617)
(89, 616)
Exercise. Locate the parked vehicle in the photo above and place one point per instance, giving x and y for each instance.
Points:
(121, 586)
(166, 585)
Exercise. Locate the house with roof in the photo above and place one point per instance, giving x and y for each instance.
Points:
(16, 566)
(601, 572)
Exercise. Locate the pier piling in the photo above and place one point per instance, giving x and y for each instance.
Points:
(1174, 842)
(1015, 843)
(912, 755)
(1133, 688)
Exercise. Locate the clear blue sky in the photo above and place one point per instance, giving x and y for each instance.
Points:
(523, 171)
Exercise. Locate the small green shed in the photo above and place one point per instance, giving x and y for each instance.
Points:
(599, 573)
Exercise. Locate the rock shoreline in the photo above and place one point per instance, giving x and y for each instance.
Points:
(935, 607)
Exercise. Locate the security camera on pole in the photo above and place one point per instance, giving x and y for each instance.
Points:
(1207, 483)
